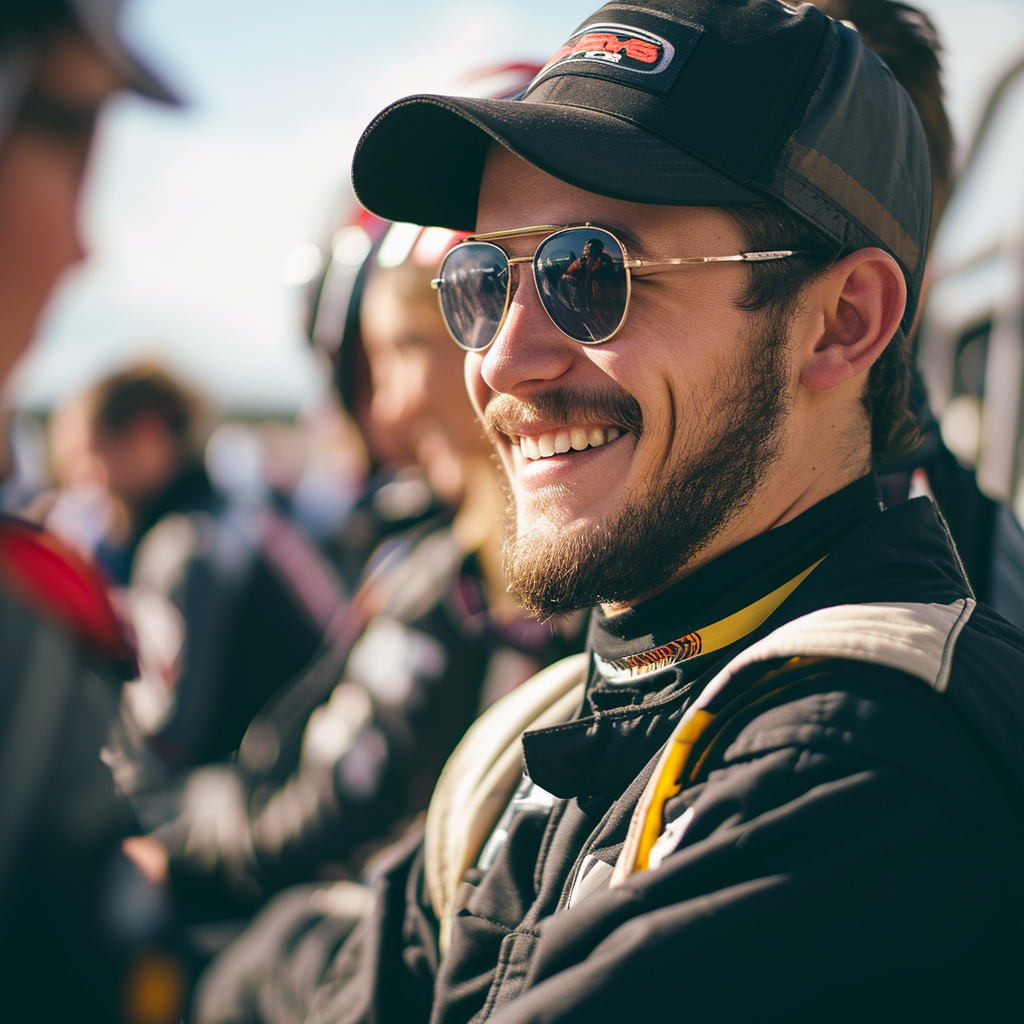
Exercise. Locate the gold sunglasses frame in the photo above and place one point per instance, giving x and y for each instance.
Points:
(629, 265)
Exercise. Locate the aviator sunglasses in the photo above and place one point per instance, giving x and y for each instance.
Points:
(582, 275)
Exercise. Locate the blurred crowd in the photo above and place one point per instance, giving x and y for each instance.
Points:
(216, 537)
(314, 613)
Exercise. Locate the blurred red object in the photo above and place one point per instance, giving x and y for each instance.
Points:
(61, 585)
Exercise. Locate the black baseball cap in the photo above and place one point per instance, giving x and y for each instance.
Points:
(683, 103)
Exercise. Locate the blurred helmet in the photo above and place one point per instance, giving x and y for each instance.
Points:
(363, 241)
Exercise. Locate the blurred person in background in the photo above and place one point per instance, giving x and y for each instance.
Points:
(79, 926)
(81, 509)
(395, 496)
(348, 757)
(229, 599)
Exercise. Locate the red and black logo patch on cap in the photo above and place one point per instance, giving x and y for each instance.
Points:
(624, 53)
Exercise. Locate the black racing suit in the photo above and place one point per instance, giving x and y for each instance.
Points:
(854, 844)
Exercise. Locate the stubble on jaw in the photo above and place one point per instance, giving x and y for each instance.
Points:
(662, 527)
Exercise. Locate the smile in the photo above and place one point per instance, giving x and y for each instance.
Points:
(558, 442)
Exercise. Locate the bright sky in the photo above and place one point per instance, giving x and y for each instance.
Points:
(191, 215)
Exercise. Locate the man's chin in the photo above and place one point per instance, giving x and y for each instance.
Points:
(556, 566)
(567, 549)
(535, 526)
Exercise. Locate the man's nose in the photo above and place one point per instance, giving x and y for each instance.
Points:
(528, 348)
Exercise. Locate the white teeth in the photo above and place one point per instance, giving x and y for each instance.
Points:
(543, 446)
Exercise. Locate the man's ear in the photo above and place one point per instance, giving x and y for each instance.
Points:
(856, 307)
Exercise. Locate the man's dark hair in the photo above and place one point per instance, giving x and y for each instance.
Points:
(145, 391)
(774, 288)
(908, 42)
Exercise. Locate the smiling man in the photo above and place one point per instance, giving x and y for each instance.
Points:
(785, 781)
(634, 464)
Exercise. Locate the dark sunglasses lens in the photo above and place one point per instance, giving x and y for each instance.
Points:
(581, 278)
(474, 287)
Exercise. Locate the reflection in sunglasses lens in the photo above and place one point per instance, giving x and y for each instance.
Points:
(474, 289)
(581, 279)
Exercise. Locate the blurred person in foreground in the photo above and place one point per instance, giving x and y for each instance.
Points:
(77, 921)
(226, 592)
(785, 781)
(439, 639)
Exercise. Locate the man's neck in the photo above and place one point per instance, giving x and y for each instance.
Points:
(763, 513)
(722, 600)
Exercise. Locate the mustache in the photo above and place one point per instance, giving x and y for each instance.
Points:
(566, 406)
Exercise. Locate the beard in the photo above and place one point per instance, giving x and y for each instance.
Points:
(681, 510)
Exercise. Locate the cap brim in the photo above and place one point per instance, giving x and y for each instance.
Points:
(421, 160)
(146, 82)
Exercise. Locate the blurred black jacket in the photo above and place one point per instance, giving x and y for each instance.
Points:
(251, 597)
(344, 758)
(76, 920)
